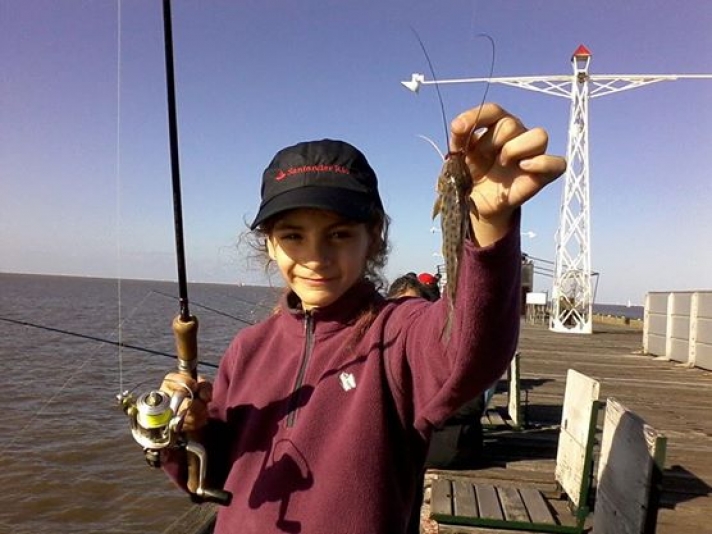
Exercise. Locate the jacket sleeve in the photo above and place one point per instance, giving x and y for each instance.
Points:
(432, 375)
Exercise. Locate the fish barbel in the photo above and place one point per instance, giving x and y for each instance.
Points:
(453, 205)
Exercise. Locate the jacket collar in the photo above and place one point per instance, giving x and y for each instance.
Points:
(346, 310)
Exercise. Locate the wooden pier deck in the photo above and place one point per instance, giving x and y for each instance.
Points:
(673, 398)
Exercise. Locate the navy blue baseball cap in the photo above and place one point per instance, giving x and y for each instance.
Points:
(326, 174)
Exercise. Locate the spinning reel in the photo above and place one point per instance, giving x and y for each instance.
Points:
(156, 424)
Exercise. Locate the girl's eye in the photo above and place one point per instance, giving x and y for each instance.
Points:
(340, 234)
(291, 236)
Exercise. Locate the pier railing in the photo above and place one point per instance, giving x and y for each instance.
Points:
(678, 326)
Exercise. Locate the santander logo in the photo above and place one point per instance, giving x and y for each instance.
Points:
(337, 169)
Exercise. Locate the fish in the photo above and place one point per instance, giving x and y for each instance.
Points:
(452, 204)
(454, 186)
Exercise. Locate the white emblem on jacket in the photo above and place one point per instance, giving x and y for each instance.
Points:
(348, 381)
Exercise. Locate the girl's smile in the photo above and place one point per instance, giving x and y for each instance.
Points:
(319, 254)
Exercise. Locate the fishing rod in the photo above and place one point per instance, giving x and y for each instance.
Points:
(156, 420)
(90, 337)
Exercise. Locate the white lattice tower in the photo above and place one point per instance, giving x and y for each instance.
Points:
(572, 302)
(572, 296)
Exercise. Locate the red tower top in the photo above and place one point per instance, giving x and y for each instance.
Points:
(581, 52)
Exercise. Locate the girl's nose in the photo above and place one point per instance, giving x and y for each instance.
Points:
(320, 252)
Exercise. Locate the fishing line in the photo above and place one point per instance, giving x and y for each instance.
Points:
(432, 73)
(46, 404)
(440, 97)
(487, 85)
(118, 191)
(66, 383)
(215, 310)
(475, 18)
(89, 337)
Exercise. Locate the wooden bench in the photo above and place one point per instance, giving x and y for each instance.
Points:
(457, 501)
(629, 473)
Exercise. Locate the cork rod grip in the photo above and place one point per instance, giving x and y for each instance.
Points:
(186, 337)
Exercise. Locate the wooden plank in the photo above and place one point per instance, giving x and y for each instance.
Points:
(464, 500)
(629, 451)
(456, 529)
(487, 501)
(199, 519)
(512, 505)
(536, 506)
(514, 405)
(576, 434)
(441, 497)
(494, 418)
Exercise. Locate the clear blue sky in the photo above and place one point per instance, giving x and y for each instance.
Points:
(84, 172)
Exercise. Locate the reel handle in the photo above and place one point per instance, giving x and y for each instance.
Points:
(217, 496)
(202, 494)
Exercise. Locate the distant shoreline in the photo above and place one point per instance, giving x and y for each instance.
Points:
(620, 310)
(615, 310)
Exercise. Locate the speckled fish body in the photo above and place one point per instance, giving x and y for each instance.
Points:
(452, 203)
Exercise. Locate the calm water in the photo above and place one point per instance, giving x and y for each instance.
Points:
(68, 463)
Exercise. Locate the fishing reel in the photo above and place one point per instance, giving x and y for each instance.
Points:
(156, 424)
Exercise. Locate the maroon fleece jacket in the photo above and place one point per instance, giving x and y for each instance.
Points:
(318, 427)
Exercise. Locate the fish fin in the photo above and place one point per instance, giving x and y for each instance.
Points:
(436, 206)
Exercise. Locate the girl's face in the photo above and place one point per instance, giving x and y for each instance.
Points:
(320, 254)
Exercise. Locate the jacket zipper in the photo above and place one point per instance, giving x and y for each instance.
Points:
(308, 344)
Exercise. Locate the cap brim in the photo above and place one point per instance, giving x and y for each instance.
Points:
(352, 205)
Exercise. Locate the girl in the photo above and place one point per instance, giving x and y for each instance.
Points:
(320, 416)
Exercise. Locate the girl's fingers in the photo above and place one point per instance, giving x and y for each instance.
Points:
(195, 417)
(176, 382)
(483, 116)
(521, 144)
(205, 391)
(501, 137)
(546, 167)
(495, 139)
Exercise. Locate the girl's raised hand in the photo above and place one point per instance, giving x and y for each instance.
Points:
(508, 163)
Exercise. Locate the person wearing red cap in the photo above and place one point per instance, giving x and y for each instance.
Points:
(431, 284)
(408, 285)
(427, 279)
(320, 416)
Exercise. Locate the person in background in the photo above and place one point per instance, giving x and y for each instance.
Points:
(320, 416)
(431, 283)
(408, 285)
(466, 449)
